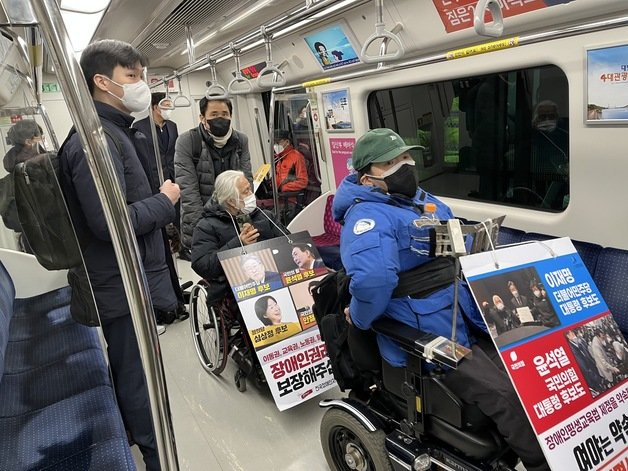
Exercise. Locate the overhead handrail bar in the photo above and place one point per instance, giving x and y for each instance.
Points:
(215, 91)
(291, 18)
(181, 101)
(100, 162)
(497, 28)
(277, 77)
(575, 30)
(381, 33)
(231, 90)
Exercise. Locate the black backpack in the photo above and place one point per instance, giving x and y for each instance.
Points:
(331, 295)
(45, 222)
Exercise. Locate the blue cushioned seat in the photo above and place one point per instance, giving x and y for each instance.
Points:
(611, 273)
(508, 236)
(57, 405)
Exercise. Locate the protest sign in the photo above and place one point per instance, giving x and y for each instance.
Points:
(561, 348)
(271, 283)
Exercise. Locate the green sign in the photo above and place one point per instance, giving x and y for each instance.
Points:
(51, 87)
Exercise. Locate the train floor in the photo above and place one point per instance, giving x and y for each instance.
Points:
(219, 428)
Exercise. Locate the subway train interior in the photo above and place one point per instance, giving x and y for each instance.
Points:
(521, 110)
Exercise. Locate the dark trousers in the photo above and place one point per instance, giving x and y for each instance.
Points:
(482, 380)
(130, 386)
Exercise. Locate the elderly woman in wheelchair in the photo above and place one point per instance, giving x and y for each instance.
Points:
(230, 219)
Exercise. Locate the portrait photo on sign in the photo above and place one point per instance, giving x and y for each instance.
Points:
(270, 318)
(298, 256)
(331, 47)
(601, 353)
(253, 268)
(514, 305)
(303, 301)
(336, 110)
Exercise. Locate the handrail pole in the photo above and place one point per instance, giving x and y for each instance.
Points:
(123, 239)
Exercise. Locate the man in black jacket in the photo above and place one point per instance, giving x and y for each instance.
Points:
(233, 206)
(113, 71)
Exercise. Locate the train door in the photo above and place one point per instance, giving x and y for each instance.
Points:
(292, 122)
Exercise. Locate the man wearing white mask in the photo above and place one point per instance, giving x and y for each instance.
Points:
(113, 71)
(230, 219)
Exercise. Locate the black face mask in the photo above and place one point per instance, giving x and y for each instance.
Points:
(403, 182)
(219, 127)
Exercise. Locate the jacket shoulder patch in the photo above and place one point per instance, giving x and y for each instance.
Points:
(363, 225)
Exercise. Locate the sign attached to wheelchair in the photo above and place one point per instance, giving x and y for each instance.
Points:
(563, 350)
(271, 282)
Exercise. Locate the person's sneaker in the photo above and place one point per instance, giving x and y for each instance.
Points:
(161, 329)
(185, 254)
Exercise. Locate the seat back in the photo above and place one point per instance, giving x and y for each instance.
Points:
(7, 299)
(508, 236)
(611, 273)
(332, 227)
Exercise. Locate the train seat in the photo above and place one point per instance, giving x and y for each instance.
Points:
(610, 277)
(57, 405)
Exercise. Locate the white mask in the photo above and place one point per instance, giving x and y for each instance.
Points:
(250, 203)
(499, 306)
(135, 96)
(278, 148)
(546, 126)
(537, 294)
(165, 114)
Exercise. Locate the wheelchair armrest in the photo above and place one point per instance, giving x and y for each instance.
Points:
(433, 348)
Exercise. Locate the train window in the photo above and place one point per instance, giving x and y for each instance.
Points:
(501, 137)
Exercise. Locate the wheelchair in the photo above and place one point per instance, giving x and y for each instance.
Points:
(218, 331)
(411, 419)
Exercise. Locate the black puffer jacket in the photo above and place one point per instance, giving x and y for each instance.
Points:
(196, 176)
(149, 213)
(214, 233)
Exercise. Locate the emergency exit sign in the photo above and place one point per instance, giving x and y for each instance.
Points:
(50, 87)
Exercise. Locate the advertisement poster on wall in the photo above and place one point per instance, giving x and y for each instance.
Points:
(458, 15)
(331, 47)
(563, 350)
(607, 85)
(341, 150)
(153, 79)
(336, 109)
(271, 282)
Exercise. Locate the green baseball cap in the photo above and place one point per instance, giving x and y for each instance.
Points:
(378, 145)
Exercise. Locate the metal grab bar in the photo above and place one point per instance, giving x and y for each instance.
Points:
(238, 75)
(277, 77)
(381, 33)
(497, 28)
(100, 162)
(215, 91)
(181, 101)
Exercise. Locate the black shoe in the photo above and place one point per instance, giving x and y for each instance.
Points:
(185, 254)
(181, 313)
(163, 317)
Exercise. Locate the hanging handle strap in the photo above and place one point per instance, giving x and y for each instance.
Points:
(381, 33)
(270, 76)
(181, 101)
(239, 79)
(215, 91)
(497, 28)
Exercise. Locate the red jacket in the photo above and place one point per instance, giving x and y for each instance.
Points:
(291, 170)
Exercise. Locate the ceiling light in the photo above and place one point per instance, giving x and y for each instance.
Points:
(81, 27)
(204, 39)
(81, 6)
(335, 7)
(246, 14)
(291, 28)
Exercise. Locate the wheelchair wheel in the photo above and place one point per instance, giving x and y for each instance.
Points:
(348, 446)
(209, 332)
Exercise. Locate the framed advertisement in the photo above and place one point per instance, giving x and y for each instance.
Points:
(607, 85)
(331, 47)
(336, 111)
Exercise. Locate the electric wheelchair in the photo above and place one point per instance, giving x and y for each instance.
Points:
(411, 420)
(218, 331)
